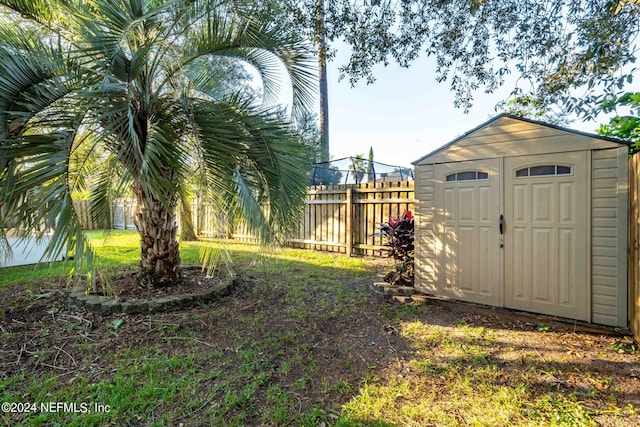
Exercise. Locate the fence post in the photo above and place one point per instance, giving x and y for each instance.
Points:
(349, 221)
(634, 247)
(195, 212)
(125, 215)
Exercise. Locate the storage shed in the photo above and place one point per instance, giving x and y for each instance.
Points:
(525, 215)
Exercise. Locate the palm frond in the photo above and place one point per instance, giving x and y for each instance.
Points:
(264, 41)
(262, 156)
(265, 46)
(109, 182)
(37, 133)
(46, 13)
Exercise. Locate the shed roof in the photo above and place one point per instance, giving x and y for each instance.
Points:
(509, 135)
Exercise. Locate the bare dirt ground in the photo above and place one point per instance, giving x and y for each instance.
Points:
(600, 365)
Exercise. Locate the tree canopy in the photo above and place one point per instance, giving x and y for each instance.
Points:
(623, 125)
(554, 46)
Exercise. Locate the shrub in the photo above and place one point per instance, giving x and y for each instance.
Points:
(400, 241)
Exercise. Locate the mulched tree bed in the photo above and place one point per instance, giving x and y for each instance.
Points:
(124, 295)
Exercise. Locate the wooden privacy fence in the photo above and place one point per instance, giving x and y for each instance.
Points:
(83, 210)
(122, 211)
(634, 245)
(343, 218)
(336, 218)
(120, 219)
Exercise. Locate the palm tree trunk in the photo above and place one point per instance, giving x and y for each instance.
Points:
(158, 228)
(323, 89)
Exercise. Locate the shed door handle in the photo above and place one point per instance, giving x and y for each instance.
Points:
(501, 224)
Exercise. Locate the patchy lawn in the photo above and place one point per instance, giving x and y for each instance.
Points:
(303, 341)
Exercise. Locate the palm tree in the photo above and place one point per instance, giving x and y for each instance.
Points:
(132, 83)
(357, 167)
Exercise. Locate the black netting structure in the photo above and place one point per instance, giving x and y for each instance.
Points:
(356, 170)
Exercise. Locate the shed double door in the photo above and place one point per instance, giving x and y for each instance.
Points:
(512, 232)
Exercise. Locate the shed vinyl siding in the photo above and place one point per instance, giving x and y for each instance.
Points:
(609, 239)
(424, 230)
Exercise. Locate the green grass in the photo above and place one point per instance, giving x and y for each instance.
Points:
(303, 343)
(471, 389)
(116, 249)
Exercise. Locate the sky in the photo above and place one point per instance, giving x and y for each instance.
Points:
(405, 114)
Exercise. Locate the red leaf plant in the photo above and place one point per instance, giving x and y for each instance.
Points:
(399, 233)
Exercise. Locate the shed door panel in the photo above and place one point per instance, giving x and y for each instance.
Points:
(546, 234)
(467, 247)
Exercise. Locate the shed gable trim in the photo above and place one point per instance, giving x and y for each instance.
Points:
(502, 116)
